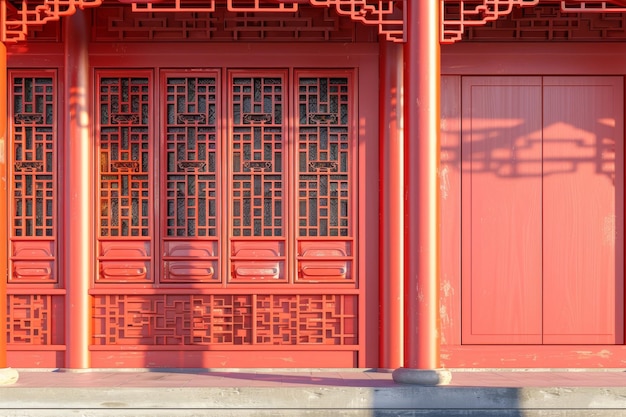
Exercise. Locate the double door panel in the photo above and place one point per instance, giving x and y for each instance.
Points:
(542, 201)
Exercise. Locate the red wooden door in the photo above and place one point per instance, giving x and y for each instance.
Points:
(542, 210)
(583, 210)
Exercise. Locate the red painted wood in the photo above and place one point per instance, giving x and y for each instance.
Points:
(583, 210)
(542, 210)
(421, 118)
(391, 208)
(450, 209)
(534, 356)
(4, 261)
(78, 214)
(531, 59)
(501, 210)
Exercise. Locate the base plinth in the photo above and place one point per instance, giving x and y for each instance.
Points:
(8, 376)
(426, 377)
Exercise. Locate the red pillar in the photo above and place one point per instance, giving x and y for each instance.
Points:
(77, 158)
(7, 376)
(421, 116)
(392, 207)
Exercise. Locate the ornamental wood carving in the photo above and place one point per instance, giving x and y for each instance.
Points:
(19, 15)
(389, 16)
(459, 15)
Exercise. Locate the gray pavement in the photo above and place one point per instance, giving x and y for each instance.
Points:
(313, 393)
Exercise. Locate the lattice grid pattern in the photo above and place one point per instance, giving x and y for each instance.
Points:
(386, 15)
(158, 320)
(549, 23)
(324, 156)
(257, 156)
(457, 15)
(31, 319)
(593, 6)
(124, 156)
(191, 156)
(20, 15)
(121, 24)
(34, 131)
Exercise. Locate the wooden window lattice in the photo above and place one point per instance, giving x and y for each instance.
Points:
(324, 147)
(124, 157)
(34, 131)
(191, 155)
(257, 156)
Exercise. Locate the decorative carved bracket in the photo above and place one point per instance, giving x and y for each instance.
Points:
(18, 15)
(457, 15)
(388, 15)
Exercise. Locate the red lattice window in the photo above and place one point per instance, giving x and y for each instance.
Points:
(325, 209)
(191, 178)
(124, 181)
(258, 195)
(33, 184)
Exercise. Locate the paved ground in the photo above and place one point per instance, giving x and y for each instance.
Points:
(278, 378)
(318, 393)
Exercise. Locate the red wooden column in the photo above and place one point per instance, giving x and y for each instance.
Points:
(7, 376)
(392, 206)
(421, 116)
(77, 156)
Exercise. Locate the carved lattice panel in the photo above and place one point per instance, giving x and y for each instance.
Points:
(457, 15)
(121, 24)
(326, 157)
(162, 320)
(550, 23)
(19, 16)
(35, 319)
(191, 193)
(257, 184)
(306, 319)
(124, 106)
(33, 185)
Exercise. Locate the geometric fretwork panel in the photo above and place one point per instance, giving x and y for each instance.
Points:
(320, 24)
(549, 23)
(324, 156)
(224, 320)
(124, 156)
(33, 173)
(306, 319)
(191, 155)
(258, 141)
(33, 137)
(34, 319)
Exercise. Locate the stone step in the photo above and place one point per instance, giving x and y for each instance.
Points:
(313, 401)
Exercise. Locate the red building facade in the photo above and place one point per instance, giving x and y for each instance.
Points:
(314, 183)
